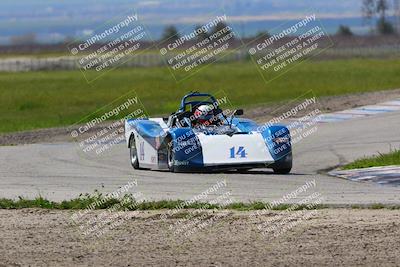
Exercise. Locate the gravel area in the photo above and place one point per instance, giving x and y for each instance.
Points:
(329, 237)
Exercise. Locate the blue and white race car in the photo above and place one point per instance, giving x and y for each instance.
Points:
(201, 137)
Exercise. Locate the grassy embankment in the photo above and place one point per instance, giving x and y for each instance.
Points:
(35, 100)
(128, 203)
(392, 158)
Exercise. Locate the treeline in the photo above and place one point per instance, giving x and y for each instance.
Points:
(375, 16)
(171, 32)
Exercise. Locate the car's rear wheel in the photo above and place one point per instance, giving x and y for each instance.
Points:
(133, 153)
(170, 156)
(282, 171)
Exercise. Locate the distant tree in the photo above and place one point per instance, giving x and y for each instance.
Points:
(396, 7)
(25, 39)
(371, 8)
(202, 35)
(368, 11)
(384, 27)
(344, 31)
(381, 7)
(170, 32)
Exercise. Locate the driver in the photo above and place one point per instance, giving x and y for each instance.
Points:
(204, 115)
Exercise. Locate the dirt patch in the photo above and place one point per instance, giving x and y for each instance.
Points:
(329, 237)
(50, 135)
(260, 113)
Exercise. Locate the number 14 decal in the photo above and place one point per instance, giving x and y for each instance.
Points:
(239, 153)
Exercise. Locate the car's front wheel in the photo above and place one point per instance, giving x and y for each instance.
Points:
(282, 171)
(283, 165)
(133, 153)
(170, 156)
(246, 170)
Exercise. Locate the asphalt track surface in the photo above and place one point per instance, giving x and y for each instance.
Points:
(59, 171)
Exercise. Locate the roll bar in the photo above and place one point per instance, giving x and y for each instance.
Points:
(185, 101)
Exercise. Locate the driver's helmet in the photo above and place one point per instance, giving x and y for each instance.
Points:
(204, 114)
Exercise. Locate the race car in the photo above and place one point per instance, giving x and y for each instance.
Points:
(201, 137)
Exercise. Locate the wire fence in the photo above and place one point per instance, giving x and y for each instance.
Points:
(145, 60)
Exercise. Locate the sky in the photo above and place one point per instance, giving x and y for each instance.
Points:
(53, 21)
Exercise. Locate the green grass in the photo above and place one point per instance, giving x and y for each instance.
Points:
(129, 203)
(34, 100)
(392, 158)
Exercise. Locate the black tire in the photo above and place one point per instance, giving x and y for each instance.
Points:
(282, 171)
(243, 170)
(170, 156)
(284, 165)
(133, 153)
